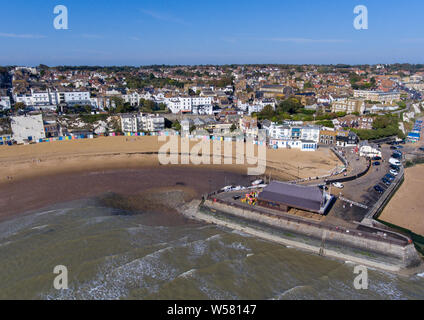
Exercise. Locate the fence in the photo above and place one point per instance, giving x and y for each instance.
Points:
(351, 178)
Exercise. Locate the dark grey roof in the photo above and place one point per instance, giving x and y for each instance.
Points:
(296, 196)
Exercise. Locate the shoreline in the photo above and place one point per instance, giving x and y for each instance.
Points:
(37, 175)
(28, 161)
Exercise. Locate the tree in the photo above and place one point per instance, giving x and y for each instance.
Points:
(19, 106)
(176, 125)
(290, 105)
(118, 101)
(267, 112)
(233, 127)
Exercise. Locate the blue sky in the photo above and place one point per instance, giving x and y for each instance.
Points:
(130, 32)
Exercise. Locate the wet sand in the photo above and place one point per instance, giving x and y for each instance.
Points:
(40, 192)
(40, 175)
(405, 208)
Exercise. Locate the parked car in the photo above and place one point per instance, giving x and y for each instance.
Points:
(338, 185)
(377, 163)
(393, 148)
(227, 188)
(389, 177)
(421, 149)
(386, 181)
(393, 167)
(395, 162)
(378, 189)
(236, 197)
(394, 172)
(376, 158)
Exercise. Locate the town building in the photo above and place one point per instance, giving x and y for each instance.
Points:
(27, 129)
(249, 126)
(349, 106)
(285, 196)
(185, 104)
(50, 97)
(369, 151)
(378, 96)
(133, 123)
(327, 137)
(302, 145)
(346, 139)
(5, 103)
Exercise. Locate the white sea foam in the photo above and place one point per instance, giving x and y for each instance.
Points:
(188, 273)
(40, 227)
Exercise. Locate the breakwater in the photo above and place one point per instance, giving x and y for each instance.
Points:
(390, 252)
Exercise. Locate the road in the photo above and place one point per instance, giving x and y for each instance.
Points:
(360, 190)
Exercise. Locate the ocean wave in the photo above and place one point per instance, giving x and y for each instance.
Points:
(290, 291)
(40, 227)
(187, 274)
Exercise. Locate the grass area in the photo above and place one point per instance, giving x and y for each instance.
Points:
(416, 238)
(92, 118)
(414, 162)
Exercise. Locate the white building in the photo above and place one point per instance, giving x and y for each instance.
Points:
(129, 123)
(186, 104)
(279, 131)
(369, 151)
(287, 132)
(203, 109)
(5, 103)
(349, 106)
(152, 123)
(132, 98)
(133, 123)
(49, 97)
(310, 133)
(27, 128)
(186, 124)
(302, 145)
(380, 96)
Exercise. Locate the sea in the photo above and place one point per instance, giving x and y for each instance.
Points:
(114, 254)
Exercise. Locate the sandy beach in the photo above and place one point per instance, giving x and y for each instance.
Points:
(405, 208)
(133, 152)
(35, 176)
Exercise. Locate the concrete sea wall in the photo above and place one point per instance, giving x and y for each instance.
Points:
(391, 255)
